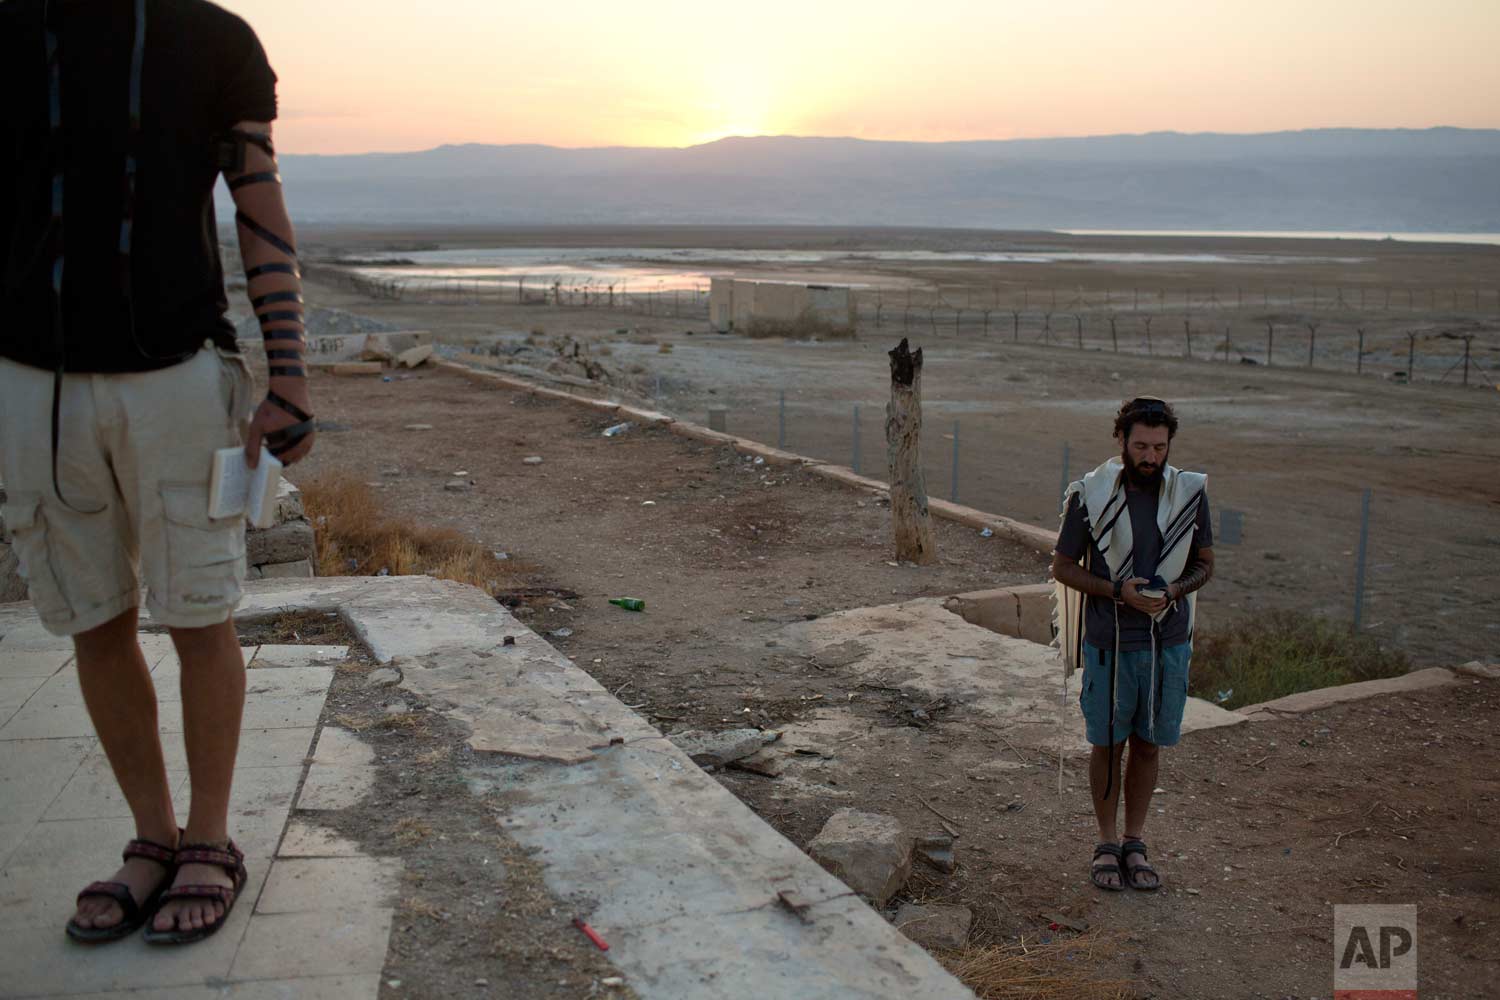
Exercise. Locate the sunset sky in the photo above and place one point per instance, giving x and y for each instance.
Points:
(383, 75)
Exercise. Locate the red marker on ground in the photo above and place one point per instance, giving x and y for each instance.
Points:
(592, 934)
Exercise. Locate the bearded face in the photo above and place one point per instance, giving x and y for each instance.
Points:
(1145, 455)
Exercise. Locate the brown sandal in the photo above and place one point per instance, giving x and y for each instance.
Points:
(1101, 868)
(229, 858)
(133, 914)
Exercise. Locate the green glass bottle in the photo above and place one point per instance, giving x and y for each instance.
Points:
(628, 603)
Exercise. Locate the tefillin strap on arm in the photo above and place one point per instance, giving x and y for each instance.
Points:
(281, 306)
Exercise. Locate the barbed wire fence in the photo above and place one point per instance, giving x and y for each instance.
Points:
(1406, 333)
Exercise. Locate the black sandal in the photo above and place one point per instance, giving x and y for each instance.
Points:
(1137, 846)
(229, 858)
(134, 914)
(1098, 870)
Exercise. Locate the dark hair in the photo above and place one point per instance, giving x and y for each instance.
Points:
(1146, 410)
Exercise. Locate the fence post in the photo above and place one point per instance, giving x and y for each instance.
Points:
(1148, 335)
(1359, 568)
(1114, 337)
(1312, 342)
(1078, 321)
(1062, 489)
(855, 463)
(1359, 363)
(1187, 333)
(955, 461)
(781, 421)
(1411, 357)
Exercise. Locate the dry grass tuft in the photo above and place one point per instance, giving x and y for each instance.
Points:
(411, 831)
(418, 907)
(1062, 969)
(1282, 652)
(436, 755)
(354, 538)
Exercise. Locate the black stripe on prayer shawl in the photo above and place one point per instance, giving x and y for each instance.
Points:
(1170, 546)
(1180, 525)
(1114, 498)
(1189, 508)
(1104, 532)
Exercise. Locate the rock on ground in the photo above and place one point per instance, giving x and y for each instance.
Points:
(710, 749)
(941, 927)
(868, 851)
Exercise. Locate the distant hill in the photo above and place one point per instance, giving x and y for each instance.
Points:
(1440, 179)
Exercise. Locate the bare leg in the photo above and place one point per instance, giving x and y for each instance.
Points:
(213, 702)
(1106, 810)
(121, 700)
(1140, 781)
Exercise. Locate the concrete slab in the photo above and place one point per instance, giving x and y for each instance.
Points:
(306, 839)
(289, 682)
(299, 656)
(18, 661)
(334, 786)
(291, 945)
(316, 885)
(773, 954)
(13, 694)
(648, 836)
(295, 711)
(365, 987)
(63, 823)
(1312, 701)
(340, 746)
(93, 793)
(921, 647)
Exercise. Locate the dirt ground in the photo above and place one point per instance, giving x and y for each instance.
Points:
(1291, 449)
(1257, 831)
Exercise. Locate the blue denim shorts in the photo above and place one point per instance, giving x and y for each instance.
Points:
(1132, 710)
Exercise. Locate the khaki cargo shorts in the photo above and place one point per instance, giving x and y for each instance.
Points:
(134, 458)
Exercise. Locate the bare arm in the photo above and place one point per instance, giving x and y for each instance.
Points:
(274, 283)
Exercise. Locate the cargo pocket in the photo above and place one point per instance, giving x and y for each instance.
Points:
(205, 556)
(27, 525)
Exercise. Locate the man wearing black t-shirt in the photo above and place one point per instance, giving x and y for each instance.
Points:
(120, 378)
(1142, 529)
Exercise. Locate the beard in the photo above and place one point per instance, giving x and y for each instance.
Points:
(1145, 475)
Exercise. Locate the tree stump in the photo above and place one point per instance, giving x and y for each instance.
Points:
(903, 437)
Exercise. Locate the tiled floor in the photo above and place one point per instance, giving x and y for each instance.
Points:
(305, 926)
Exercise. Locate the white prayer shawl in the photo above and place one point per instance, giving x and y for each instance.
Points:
(1108, 517)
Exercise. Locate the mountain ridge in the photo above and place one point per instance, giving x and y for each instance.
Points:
(1435, 179)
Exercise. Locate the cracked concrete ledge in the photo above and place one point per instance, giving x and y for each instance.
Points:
(678, 875)
(1031, 536)
(1311, 701)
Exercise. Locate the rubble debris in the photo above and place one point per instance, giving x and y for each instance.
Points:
(383, 677)
(938, 852)
(869, 851)
(766, 763)
(414, 357)
(709, 749)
